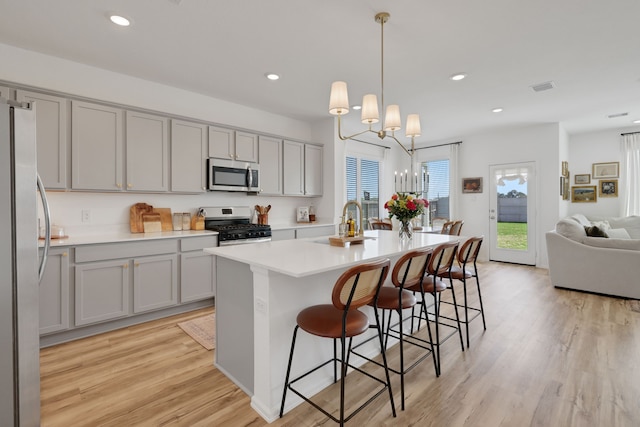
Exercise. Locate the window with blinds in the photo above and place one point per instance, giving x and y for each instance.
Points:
(436, 177)
(362, 181)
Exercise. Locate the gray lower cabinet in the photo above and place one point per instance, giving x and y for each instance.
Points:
(155, 282)
(102, 291)
(328, 230)
(54, 293)
(197, 269)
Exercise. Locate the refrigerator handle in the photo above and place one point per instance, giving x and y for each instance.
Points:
(47, 228)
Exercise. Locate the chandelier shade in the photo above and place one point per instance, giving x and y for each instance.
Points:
(339, 105)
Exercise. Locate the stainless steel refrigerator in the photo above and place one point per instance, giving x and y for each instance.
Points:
(20, 266)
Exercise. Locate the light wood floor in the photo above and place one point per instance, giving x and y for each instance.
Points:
(549, 357)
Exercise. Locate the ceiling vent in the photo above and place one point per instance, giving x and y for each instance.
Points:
(614, 116)
(542, 86)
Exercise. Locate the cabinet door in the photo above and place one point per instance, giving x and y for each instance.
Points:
(270, 157)
(96, 147)
(54, 293)
(5, 92)
(288, 234)
(147, 146)
(221, 143)
(51, 137)
(197, 276)
(293, 168)
(102, 291)
(246, 147)
(312, 170)
(155, 282)
(188, 157)
(304, 232)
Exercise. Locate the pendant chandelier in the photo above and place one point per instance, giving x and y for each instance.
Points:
(339, 105)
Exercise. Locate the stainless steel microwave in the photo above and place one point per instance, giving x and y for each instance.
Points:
(233, 175)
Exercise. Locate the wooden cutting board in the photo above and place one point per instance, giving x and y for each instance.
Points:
(166, 221)
(135, 216)
(151, 222)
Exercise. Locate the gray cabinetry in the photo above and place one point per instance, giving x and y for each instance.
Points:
(52, 141)
(5, 92)
(188, 157)
(287, 234)
(270, 157)
(232, 145)
(293, 168)
(96, 147)
(54, 293)
(312, 170)
(147, 152)
(155, 282)
(197, 269)
(101, 291)
(329, 230)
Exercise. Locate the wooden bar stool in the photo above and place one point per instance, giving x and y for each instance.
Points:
(456, 228)
(408, 271)
(355, 288)
(441, 261)
(467, 269)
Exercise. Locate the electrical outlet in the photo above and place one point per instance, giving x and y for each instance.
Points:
(86, 215)
(261, 306)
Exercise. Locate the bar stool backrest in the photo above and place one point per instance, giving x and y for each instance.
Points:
(442, 258)
(456, 228)
(410, 268)
(359, 285)
(446, 227)
(469, 250)
(380, 225)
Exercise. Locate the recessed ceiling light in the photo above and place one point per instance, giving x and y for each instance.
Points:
(458, 76)
(357, 107)
(120, 20)
(636, 121)
(272, 76)
(497, 110)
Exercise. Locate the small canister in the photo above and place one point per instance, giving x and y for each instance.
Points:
(177, 221)
(186, 221)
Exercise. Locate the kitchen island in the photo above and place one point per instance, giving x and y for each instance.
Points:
(261, 288)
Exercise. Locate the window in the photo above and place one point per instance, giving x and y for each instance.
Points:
(435, 175)
(362, 183)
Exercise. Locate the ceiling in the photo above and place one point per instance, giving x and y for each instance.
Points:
(587, 48)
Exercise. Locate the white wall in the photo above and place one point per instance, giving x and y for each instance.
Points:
(538, 144)
(111, 210)
(596, 147)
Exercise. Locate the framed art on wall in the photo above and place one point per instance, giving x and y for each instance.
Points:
(583, 194)
(606, 170)
(303, 214)
(584, 178)
(472, 185)
(608, 188)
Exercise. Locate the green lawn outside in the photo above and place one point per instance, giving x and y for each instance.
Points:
(512, 235)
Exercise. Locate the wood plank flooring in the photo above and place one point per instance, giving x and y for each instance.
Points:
(549, 357)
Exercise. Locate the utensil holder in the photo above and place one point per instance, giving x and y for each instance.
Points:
(263, 219)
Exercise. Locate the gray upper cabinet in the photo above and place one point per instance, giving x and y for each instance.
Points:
(293, 168)
(232, 145)
(147, 152)
(96, 147)
(312, 170)
(270, 155)
(188, 157)
(5, 92)
(52, 140)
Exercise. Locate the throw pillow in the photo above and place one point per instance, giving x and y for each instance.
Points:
(570, 229)
(594, 231)
(618, 233)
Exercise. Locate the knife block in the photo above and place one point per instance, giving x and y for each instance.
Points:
(197, 223)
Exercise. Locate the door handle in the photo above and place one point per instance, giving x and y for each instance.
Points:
(492, 217)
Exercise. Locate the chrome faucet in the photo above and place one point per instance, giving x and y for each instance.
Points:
(344, 214)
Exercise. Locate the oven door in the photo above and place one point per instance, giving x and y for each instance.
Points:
(229, 175)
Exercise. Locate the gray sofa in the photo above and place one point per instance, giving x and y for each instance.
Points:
(605, 265)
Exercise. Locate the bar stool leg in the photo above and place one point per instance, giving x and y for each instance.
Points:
(286, 380)
(384, 361)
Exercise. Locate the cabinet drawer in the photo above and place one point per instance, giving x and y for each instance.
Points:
(125, 250)
(196, 243)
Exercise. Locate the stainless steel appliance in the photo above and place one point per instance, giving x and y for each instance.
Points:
(20, 270)
(232, 175)
(234, 226)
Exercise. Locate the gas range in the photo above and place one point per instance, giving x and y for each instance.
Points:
(234, 226)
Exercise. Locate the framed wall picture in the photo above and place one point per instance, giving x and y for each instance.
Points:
(584, 194)
(565, 169)
(583, 178)
(472, 185)
(606, 170)
(608, 188)
(303, 214)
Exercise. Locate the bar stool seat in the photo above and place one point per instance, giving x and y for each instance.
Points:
(326, 321)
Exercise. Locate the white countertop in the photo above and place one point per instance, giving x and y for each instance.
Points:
(288, 226)
(111, 237)
(305, 257)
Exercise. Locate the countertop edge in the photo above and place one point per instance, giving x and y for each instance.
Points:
(94, 239)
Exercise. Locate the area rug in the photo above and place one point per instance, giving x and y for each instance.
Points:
(202, 330)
